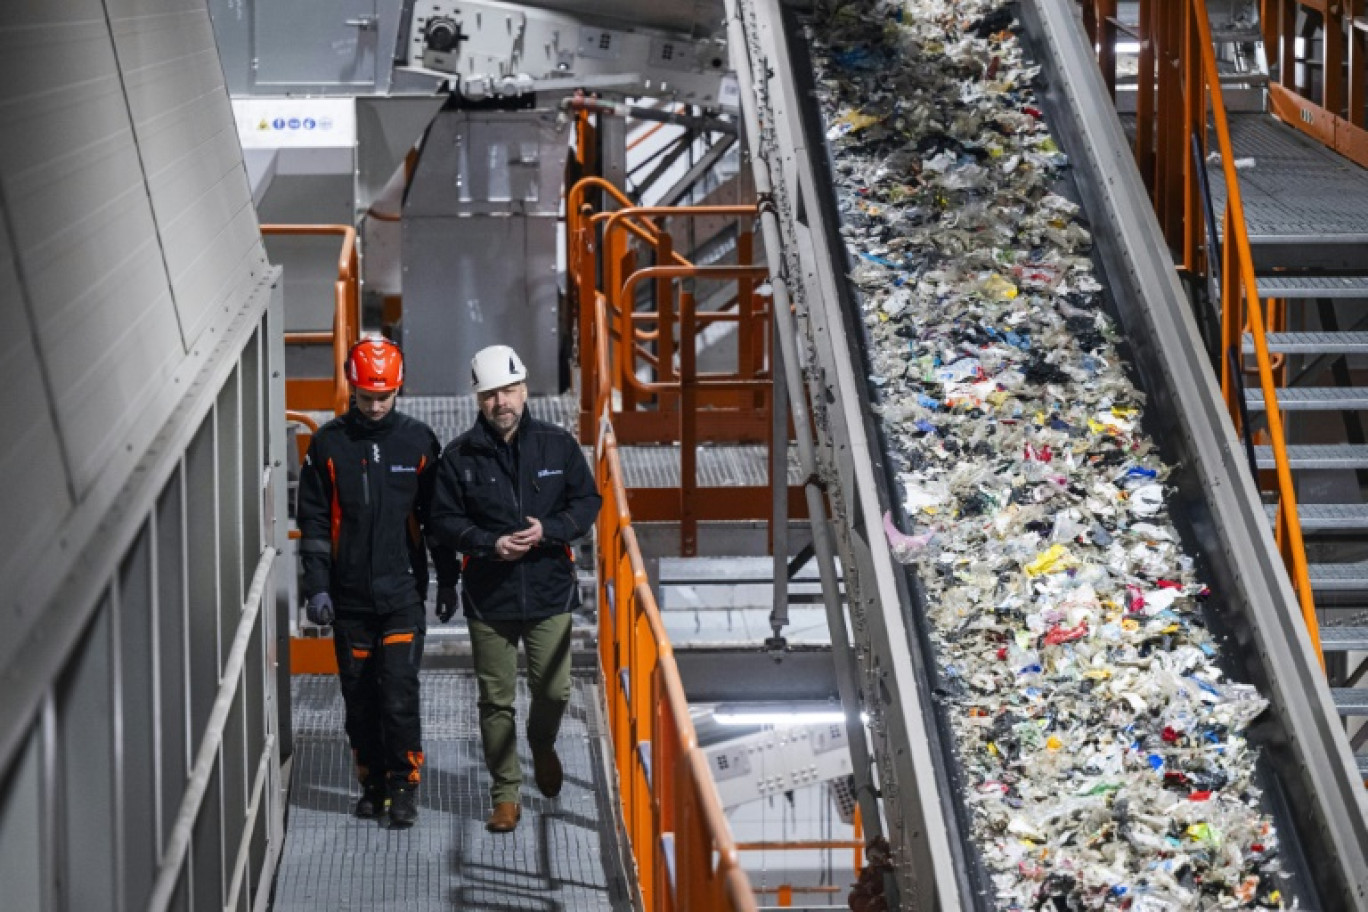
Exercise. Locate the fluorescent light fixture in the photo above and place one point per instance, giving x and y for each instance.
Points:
(770, 717)
(778, 713)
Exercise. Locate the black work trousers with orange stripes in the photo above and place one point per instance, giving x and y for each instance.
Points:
(378, 657)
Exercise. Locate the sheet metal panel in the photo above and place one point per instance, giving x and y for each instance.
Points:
(479, 239)
(188, 144)
(82, 228)
(31, 449)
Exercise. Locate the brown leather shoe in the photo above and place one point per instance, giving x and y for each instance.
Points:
(505, 817)
(546, 769)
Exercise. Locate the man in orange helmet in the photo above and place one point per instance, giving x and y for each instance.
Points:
(364, 491)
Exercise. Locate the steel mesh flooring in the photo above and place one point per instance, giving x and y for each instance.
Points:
(656, 466)
(449, 416)
(1297, 188)
(559, 858)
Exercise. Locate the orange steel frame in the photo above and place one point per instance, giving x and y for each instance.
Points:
(1333, 111)
(320, 394)
(685, 856)
(1179, 95)
(680, 405)
(785, 891)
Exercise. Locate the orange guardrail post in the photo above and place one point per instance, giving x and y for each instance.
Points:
(346, 325)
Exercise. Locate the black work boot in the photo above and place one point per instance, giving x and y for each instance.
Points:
(371, 804)
(403, 805)
(547, 771)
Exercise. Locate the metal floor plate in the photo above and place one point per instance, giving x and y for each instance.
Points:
(561, 857)
(1296, 189)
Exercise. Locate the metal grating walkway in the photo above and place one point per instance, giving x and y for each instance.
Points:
(450, 416)
(1296, 191)
(561, 857)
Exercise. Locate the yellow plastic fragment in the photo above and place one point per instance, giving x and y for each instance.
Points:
(998, 287)
(1053, 560)
(858, 120)
(1053, 743)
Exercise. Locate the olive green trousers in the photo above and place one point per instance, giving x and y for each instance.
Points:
(494, 646)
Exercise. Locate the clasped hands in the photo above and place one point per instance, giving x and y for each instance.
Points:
(513, 546)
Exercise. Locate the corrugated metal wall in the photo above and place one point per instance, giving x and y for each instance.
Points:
(140, 335)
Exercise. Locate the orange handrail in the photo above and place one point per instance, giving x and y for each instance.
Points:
(302, 418)
(1241, 307)
(685, 856)
(346, 328)
(628, 375)
(1180, 34)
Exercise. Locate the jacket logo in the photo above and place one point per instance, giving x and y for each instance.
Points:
(399, 468)
(375, 448)
(545, 472)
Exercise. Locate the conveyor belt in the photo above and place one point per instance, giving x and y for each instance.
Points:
(1305, 759)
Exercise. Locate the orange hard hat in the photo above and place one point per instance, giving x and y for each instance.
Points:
(375, 364)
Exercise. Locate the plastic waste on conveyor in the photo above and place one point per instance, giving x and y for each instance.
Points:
(1104, 744)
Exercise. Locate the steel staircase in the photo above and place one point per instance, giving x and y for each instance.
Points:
(1317, 279)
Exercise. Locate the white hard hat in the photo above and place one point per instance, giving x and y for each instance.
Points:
(496, 367)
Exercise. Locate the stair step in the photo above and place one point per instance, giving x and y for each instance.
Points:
(1231, 34)
(1249, 79)
(1327, 517)
(1339, 577)
(1344, 639)
(1312, 398)
(1313, 343)
(1350, 701)
(1313, 456)
(1305, 287)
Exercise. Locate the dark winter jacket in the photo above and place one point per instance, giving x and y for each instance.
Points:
(364, 492)
(486, 488)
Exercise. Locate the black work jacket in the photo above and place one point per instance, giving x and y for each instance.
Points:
(364, 492)
(486, 488)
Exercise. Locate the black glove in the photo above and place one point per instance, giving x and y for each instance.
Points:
(447, 603)
(320, 609)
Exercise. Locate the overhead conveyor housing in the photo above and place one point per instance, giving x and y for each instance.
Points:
(1312, 789)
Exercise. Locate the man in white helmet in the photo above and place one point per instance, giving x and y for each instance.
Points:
(512, 494)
